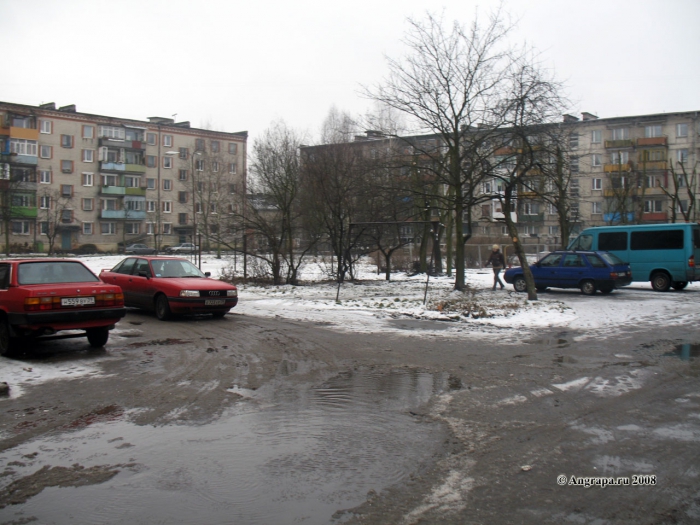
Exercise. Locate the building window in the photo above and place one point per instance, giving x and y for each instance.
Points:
(596, 208)
(182, 197)
(108, 228)
(167, 162)
(573, 140)
(109, 180)
(151, 206)
(88, 132)
(232, 148)
(151, 139)
(134, 205)
(20, 227)
(232, 168)
(621, 134)
(215, 166)
(183, 175)
(67, 166)
(167, 141)
(88, 179)
(232, 188)
(109, 204)
(46, 127)
(573, 164)
(67, 216)
(66, 190)
(596, 136)
(199, 145)
(45, 177)
(182, 219)
(66, 141)
(45, 152)
(112, 132)
(198, 207)
(151, 184)
(531, 208)
(682, 155)
(597, 184)
(88, 204)
(652, 131)
(132, 228)
(43, 228)
(655, 206)
(24, 147)
(620, 157)
(167, 206)
(184, 153)
(167, 184)
(596, 160)
(215, 146)
(150, 228)
(44, 202)
(553, 230)
(681, 130)
(88, 228)
(212, 208)
(199, 165)
(88, 155)
(131, 181)
(151, 161)
(167, 228)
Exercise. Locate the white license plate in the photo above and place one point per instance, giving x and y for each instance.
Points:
(77, 301)
(214, 302)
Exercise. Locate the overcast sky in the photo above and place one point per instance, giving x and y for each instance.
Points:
(239, 65)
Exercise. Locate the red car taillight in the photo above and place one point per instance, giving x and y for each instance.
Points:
(109, 299)
(36, 304)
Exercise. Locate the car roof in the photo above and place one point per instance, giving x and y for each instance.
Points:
(157, 257)
(40, 259)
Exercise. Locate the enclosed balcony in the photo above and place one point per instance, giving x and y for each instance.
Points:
(617, 167)
(130, 144)
(652, 141)
(624, 143)
(122, 190)
(123, 214)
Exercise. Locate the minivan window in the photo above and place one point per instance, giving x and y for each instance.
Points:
(657, 240)
(612, 241)
(583, 243)
(612, 259)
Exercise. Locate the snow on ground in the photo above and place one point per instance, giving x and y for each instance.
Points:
(372, 304)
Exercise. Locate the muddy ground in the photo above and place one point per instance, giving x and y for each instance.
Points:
(515, 418)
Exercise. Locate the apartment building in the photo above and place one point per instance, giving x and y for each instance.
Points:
(85, 180)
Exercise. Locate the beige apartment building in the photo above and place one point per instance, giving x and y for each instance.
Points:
(96, 182)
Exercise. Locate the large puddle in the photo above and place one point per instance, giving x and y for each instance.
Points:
(288, 455)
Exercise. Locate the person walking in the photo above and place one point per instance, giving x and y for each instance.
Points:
(497, 261)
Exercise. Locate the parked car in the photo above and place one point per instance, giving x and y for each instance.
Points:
(185, 247)
(41, 297)
(589, 271)
(139, 249)
(170, 286)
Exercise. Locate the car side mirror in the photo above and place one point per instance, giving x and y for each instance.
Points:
(207, 274)
(144, 274)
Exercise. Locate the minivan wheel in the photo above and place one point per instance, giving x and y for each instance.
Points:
(588, 287)
(660, 282)
(520, 284)
(679, 285)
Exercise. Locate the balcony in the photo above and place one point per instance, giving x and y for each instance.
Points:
(624, 143)
(527, 194)
(120, 167)
(121, 190)
(613, 218)
(655, 217)
(615, 168)
(652, 141)
(531, 218)
(123, 214)
(621, 192)
(135, 168)
(650, 165)
(24, 133)
(128, 144)
(24, 212)
(29, 160)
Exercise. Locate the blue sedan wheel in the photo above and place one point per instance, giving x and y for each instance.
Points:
(588, 287)
(519, 284)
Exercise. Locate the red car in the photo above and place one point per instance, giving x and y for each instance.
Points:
(40, 297)
(170, 286)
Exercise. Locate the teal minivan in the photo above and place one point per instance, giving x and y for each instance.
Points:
(663, 254)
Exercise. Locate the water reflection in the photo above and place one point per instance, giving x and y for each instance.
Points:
(293, 454)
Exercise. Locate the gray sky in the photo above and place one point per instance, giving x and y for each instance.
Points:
(238, 65)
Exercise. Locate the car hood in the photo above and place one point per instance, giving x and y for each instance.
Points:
(187, 283)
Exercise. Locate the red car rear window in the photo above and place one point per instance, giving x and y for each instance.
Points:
(53, 272)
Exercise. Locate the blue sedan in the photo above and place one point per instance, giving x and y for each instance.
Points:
(589, 271)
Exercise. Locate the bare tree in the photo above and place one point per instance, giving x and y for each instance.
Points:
(683, 200)
(447, 85)
(54, 211)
